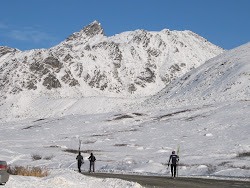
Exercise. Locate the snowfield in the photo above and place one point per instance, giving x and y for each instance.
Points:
(210, 138)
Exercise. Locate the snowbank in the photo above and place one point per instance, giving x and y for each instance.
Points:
(65, 178)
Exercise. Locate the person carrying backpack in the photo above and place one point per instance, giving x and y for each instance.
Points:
(174, 161)
(92, 160)
(80, 161)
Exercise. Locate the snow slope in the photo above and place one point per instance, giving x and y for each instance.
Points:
(223, 78)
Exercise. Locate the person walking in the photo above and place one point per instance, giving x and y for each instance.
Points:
(92, 160)
(80, 161)
(174, 161)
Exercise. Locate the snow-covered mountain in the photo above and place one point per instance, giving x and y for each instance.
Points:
(88, 63)
(223, 78)
(135, 62)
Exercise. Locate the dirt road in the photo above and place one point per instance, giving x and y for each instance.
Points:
(180, 182)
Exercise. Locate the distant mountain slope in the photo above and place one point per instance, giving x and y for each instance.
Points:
(223, 78)
(135, 62)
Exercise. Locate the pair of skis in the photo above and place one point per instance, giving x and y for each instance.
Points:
(178, 152)
(80, 142)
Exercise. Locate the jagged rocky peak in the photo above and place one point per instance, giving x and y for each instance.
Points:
(90, 30)
(94, 28)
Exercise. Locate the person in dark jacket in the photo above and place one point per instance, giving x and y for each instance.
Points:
(174, 161)
(80, 161)
(92, 160)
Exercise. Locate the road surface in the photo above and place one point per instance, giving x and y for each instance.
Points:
(180, 182)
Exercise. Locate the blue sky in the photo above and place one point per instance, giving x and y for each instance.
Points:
(32, 24)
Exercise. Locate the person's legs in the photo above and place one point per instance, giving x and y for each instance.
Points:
(93, 166)
(172, 168)
(79, 166)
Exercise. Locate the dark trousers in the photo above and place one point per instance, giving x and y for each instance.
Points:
(173, 170)
(79, 164)
(93, 165)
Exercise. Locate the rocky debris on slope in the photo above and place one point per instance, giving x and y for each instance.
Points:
(5, 50)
